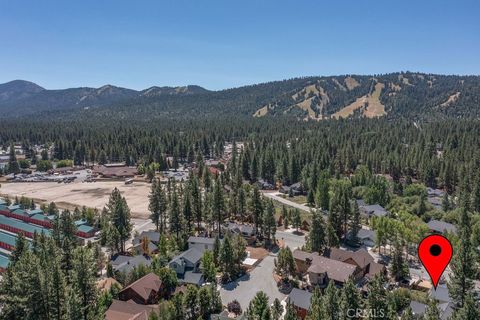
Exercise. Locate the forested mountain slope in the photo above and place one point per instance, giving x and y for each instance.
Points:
(411, 95)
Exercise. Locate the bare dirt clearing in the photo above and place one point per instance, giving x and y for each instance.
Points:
(93, 195)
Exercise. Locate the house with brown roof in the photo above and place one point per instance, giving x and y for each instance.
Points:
(360, 258)
(337, 265)
(145, 290)
(323, 270)
(128, 310)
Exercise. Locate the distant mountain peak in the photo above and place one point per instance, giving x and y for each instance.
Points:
(18, 89)
(183, 90)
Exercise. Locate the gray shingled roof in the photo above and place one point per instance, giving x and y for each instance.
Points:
(193, 255)
(376, 210)
(202, 240)
(366, 234)
(441, 294)
(418, 308)
(300, 298)
(191, 277)
(441, 226)
(126, 263)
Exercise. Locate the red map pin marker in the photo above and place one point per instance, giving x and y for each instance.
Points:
(435, 252)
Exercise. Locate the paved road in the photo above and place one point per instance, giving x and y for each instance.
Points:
(276, 196)
(245, 288)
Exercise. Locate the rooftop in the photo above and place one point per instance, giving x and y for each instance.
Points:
(202, 240)
(145, 285)
(441, 226)
(122, 310)
(193, 255)
(336, 270)
(23, 226)
(300, 298)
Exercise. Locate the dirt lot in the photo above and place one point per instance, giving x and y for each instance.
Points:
(94, 195)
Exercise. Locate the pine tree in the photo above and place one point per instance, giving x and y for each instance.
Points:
(176, 225)
(462, 264)
(226, 257)
(21, 245)
(296, 219)
(469, 311)
(120, 215)
(276, 309)
(13, 166)
(291, 313)
(432, 312)
(190, 302)
(257, 209)
(377, 298)
(208, 268)
(398, 267)
(157, 205)
(218, 204)
(285, 263)
(258, 308)
(187, 213)
(316, 237)
(84, 275)
(270, 226)
(196, 201)
(355, 224)
(350, 299)
(331, 302)
(322, 196)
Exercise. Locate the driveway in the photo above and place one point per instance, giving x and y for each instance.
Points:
(245, 288)
(293, 241)
(139, 225)
(276, 196)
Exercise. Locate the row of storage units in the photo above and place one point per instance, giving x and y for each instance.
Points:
(37, 217)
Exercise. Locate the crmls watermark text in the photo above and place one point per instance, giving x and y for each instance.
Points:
(365, 313)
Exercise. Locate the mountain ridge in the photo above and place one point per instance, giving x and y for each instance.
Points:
(404, 94)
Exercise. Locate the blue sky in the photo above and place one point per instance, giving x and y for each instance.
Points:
(224, 43)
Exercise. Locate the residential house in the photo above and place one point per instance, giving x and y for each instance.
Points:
(122, 263)
(303, 260)
(337, 265)
(366, 237)
(146, 290)
(295, 189)
(153, 238)
(441, 227)
(373, 210)
(323, 270)
(187, 266)
(264, 185)
(129, 310)
(245, 230)
(360, 258)
(201, 243)
(301, 300)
